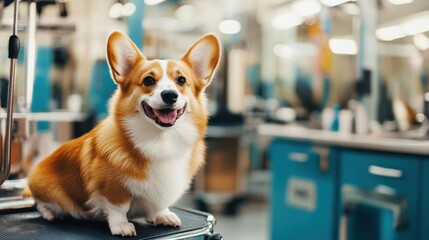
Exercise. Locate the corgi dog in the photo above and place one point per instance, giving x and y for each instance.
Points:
(141, 159)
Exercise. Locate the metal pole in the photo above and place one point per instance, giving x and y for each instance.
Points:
(30, 56)
(14, 46)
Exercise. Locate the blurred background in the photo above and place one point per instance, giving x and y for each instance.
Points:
(318, 110)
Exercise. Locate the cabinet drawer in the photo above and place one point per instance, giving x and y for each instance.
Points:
(304, 158)
(303, 191)
(371, 170)
(389, 173)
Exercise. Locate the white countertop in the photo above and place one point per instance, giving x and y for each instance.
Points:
(58, 116)
(418, 147)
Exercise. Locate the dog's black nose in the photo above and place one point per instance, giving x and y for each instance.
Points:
(169, 96)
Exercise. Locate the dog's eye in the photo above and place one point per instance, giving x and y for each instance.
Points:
(181, 80)
(148, 81)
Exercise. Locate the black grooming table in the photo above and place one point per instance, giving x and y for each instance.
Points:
(30, 225)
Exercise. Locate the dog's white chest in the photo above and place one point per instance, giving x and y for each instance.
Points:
(169, 153)
(166, 183)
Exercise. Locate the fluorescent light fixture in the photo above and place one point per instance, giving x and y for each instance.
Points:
(333, 3)
(343, 46)
(421, 41)
(351, 8)
(389, 33)
(185, 12)
(229, 26)
(415, 25)
(298, 49)
(283, 51)
(286, 20)
(410, 26)
(153, 2)
(128, 9)
(400, 2)
(306, 8)
(116, 10)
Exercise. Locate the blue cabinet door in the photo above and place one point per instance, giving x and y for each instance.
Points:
(380, 181)
(303, 191)
(424, 216)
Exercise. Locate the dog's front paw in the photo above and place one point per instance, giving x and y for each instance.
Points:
(167, 218)
(123, 229)
(46, 213)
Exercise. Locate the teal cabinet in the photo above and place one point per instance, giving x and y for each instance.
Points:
(424, 216)
(343, 193)
(304, 190)
(379, 195)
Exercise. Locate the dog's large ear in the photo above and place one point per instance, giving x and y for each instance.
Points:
(122, 55)
(203, 57)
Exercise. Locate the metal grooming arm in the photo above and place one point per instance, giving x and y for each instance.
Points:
(14, 45)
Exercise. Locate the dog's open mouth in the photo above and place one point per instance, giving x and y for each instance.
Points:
(165, 117)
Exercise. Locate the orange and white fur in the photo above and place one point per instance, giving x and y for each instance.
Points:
(143, 156)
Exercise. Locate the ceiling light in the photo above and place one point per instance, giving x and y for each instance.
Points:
(306, 7)
(351, 8)
(333, 3)
(229, 26)
(116, 10)
(283, 51)
(400, 2)
(421, 41)
(128, 9)
(153, 2)
(185, 12)
(286, 20)
(343, 46)
(410, 26)
(389, 33)
(415, 25)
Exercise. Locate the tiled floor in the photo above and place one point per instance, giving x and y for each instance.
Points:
(250, 224)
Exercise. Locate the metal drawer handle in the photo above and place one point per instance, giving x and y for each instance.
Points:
(298, 157)
(385, 172)
(353, 195)
(322, 153)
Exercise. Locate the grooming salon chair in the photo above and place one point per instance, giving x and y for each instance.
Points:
(19, 218)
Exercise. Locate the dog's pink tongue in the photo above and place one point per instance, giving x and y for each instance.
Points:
(166, 117)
